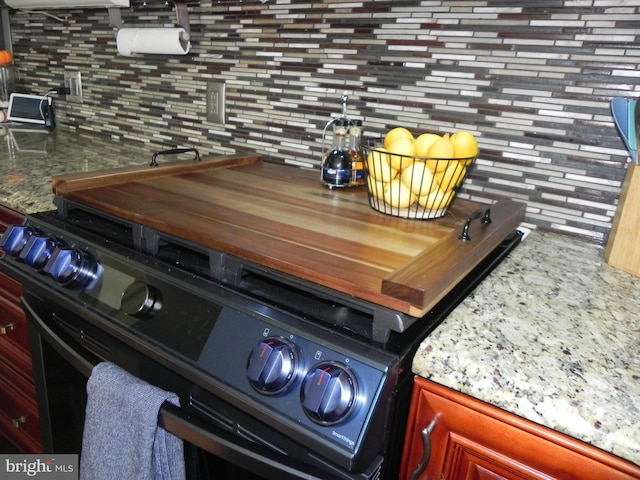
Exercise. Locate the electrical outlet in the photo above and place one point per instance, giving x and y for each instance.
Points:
(73, 81)
(216, 102)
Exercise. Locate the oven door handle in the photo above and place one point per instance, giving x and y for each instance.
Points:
(177, 421)
(78, 362)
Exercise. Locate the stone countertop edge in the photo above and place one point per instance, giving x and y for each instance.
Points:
(552, 335)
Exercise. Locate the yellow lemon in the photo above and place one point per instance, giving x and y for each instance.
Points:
(436, 200)
(441, 149)
(401, 153)
(376, 188)
(464, 144)
(378, 166)
(398, 195)
(451, 177)
(424, 142)
(396, 133)
(418, 178)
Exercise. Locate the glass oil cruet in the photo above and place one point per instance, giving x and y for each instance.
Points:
(336, 165)
(354, 149)
(336, 162)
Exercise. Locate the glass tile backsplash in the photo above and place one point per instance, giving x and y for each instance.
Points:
(531, 79)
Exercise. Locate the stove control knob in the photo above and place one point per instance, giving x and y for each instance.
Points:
(272, 365)
(38, 251)
(15, 238)
(139, 299)
(72, 267)
(328, 393)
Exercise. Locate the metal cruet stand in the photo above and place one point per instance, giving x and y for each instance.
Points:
(329, 124)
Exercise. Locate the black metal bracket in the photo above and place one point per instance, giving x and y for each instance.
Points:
(182, 14)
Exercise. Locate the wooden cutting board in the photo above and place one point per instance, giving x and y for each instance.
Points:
(622, 246)
(282, 218)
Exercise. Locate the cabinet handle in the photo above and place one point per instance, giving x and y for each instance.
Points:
(19, 421)
(4, 329)
(426, 452)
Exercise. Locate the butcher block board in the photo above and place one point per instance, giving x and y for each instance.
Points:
(282, 218)
(622, 246)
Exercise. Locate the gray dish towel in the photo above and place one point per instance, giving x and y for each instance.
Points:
(122, 439)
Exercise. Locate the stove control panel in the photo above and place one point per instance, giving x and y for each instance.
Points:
(315, 383)
(328, 391)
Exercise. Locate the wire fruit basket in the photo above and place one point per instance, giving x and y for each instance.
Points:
(410, 186)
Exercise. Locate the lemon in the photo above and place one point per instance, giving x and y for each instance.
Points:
(418, 178)
(398, 195)
(378, 166)
(401, 153)
(396, 133)
(464, 144)
(424, 142)
(436, 200)
(441, 149)
(376, 188)
(451, 177)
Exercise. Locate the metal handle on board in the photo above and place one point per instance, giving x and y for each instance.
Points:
(483, 213)
(173, 151)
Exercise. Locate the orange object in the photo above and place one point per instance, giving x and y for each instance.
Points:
(6, 57)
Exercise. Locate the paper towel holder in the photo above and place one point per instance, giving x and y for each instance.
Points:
(182, 15)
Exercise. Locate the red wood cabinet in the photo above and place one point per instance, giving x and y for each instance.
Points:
(471, 440)
(18, 408)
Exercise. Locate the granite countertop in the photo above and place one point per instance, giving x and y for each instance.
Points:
(30, 156)
(552, 335)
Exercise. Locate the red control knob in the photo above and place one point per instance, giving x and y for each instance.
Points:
(272, 365)
(328, 393)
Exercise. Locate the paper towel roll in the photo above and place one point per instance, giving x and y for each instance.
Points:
(172, 41)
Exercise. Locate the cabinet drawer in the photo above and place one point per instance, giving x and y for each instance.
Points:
(14, 339)
(19, 420)
(10, 290)
(13, 326)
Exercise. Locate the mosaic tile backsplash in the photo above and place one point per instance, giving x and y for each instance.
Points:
(532, 80)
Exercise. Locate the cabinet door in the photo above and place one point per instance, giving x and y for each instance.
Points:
(14, 336)
(470, 440)
(19, 421)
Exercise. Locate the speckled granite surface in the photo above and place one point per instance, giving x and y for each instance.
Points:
(552, 335)
(30, 156)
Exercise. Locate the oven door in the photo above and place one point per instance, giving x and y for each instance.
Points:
(65, 348)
